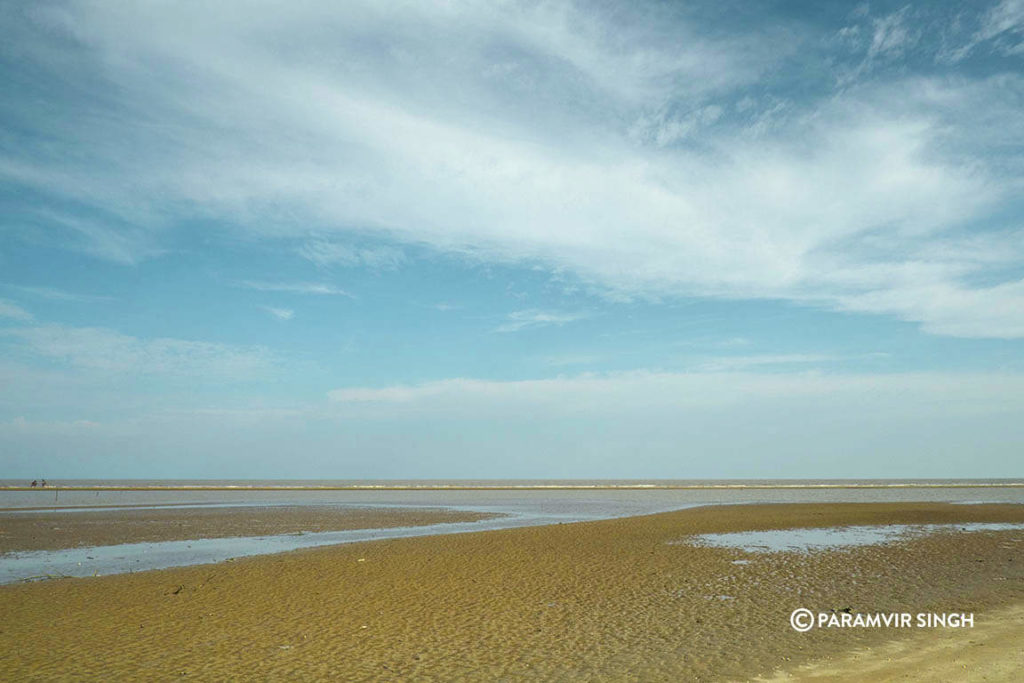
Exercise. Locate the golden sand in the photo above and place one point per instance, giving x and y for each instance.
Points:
(991, 651)
(42, 530)
(610, 600)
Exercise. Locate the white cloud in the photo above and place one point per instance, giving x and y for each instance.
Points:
(279, 313)
(9, 310)
(295, 288)
(520, 320)
(108, 351)
(348, 118)
(980, 312)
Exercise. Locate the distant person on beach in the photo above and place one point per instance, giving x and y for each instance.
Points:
(43, 484)
(35, 483)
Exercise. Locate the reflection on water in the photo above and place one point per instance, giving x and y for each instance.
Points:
(810, 540)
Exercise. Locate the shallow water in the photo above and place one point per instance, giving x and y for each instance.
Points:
(133, 557)
(520, 507)
(831, 538)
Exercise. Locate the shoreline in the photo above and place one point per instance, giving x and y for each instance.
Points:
(597, 600)
(515, 487)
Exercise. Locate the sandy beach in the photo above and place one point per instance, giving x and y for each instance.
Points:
(991, 651)
(624, 599)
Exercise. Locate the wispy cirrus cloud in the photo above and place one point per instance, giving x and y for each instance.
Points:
(630, 146)
(279, 313)
(1001, 25)
(109, 351)
(11, 310)
(521, 320)
(113, 239)
(55, 294)
(327, 253)
(316, 288)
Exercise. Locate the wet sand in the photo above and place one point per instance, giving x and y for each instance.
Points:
(48, 530)
(619, 599)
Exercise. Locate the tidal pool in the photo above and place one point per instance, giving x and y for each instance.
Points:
(830, 538)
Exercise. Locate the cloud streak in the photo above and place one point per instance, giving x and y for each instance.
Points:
(279, 313)
(13, 311)
(56, 294)
(521, 320)
(315, 288)
(661, 395)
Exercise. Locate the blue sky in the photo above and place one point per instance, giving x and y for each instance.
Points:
(540, 239)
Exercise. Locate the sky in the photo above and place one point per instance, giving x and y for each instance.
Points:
(511, 239)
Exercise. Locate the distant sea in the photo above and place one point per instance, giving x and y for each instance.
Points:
(624, 495)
